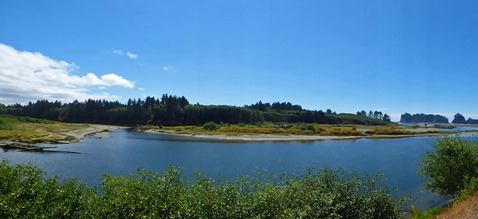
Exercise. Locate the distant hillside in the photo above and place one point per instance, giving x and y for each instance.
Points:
(423, 118)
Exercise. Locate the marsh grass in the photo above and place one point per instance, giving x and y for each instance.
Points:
(31, 130)
(285, 129)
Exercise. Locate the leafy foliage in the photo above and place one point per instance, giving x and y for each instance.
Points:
(354, 119)
(25, 193)
(470, 188)
(428, 214)
(210, 126)
(451, 165)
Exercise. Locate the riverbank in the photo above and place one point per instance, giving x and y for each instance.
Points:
(255, 137)
(27, 136)
(288, 137)
(96, 130)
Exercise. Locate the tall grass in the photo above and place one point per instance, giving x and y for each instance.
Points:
(31, 130)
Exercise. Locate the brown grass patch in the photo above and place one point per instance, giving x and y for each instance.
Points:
(464, 209)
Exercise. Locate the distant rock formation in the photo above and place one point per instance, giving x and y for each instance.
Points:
(422, 118)
(459, 119)
(472, 121)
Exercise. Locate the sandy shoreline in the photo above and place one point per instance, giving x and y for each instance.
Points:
(101, 131)
(257, 137)
(97, 130)
(270, 137)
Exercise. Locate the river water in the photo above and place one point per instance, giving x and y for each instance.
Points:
(123, 152)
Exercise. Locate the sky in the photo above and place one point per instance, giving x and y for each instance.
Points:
(391, 56)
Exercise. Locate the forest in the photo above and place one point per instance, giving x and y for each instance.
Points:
(172, 110)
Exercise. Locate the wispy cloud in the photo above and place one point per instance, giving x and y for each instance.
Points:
(140, 88)
(129, 54)
(132, 55)
(169, 68)
(29, 76)
(117, 52)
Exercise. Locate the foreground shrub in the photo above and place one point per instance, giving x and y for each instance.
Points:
(25, 193)
(451, 165)
(318, 194)
(470, 188)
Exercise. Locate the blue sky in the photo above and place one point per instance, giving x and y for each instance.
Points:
(393, 56)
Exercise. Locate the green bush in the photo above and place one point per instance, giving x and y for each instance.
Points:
(451, 165)
(318, 194)
(470, 188)
(210, 126)
(4, 125)
(25, 193)
(309, 127)
(34, 120)
(431, 213)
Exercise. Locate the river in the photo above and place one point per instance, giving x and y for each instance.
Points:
(123, 152)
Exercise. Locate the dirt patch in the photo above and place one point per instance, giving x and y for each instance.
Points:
(464, 209)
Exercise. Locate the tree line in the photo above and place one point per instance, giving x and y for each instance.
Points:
(171, 110)
(374, 115)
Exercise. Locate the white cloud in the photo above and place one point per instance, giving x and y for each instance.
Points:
(129, 54)
(132, 55)
(140, 88)
(118, 52)
(169, 68)
(28, 76)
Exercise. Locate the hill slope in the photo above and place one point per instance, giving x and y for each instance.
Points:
(464, 209)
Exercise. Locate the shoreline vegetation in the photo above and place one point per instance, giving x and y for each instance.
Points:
(174, 115)
(25, 133)
(31, 134)
(321, 193)
(299, 133)
(292, 137)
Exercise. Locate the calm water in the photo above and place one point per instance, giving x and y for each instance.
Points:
(123, 152)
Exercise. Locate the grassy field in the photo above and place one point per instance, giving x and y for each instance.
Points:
(31, 130)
